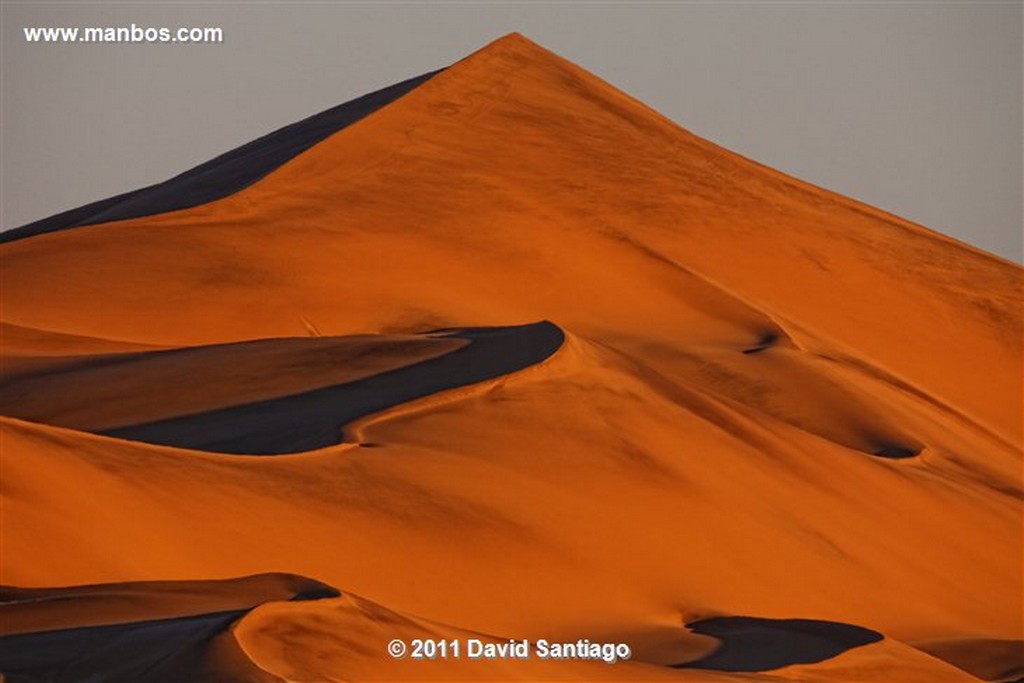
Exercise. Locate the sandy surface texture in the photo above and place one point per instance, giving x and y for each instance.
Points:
(524, 361)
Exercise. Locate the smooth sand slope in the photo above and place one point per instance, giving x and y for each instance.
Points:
(776, 415)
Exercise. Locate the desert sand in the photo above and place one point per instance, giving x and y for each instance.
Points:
(505, 354)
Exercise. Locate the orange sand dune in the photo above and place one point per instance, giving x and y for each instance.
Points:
(770, 401)
(138, 631)
(341, 635)
(27, 350)
(32, 610)
(98, 393)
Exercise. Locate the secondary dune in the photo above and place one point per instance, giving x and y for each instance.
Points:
(36, 610)
(316, 418)
(103, 392)
(755, 400)
(157, 631)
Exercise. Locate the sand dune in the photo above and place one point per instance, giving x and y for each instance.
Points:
(771, 413)
(126, 632)
(35, 610)
(315, 419)
(101, 392)
(990, 660)
(224, 175)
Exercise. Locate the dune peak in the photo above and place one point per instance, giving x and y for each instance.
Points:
(513, 39)
(516, 46)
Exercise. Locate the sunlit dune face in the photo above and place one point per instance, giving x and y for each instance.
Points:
(507, 356)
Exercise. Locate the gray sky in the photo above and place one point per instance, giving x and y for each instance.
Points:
(912, 107)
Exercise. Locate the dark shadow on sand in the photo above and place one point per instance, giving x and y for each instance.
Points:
(896, 452)
(226, 174)
(754, 644)
(315, 419)
(169, 650)
(163, 650)
(767, 340)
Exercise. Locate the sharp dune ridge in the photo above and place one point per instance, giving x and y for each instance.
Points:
(224, 175)
(537, 363)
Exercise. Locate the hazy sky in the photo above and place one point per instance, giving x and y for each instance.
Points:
(912, 107)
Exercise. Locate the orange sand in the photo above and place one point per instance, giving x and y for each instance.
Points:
(648, 474)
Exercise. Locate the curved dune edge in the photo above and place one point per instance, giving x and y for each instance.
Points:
(97, 393)
(144, 631)
(316, 419)
(557, 357)
(242, 398)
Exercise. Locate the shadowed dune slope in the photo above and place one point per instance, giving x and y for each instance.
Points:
(34, 610)
(989, 660)
(756, 403)
(158, 631)
(766, 644)
(109, 391)
(265, 397)
(224, 175)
